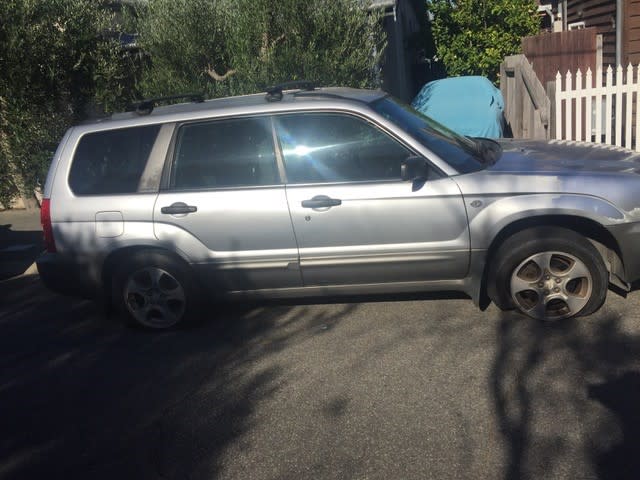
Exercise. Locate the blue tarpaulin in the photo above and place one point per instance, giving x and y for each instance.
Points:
(471, 106)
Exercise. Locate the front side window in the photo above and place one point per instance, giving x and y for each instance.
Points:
(112, 161)
(224, 153)
(332, 147)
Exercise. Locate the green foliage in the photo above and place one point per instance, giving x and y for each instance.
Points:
(60, 61)
(28, 137)
(473, 36)
(257, 43)
(56, 69)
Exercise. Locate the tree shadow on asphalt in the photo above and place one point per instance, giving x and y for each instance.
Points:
(18, 250)
(9, 236)
(567, 398)
(107, 401)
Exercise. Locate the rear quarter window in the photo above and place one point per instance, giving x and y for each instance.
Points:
(111, 162)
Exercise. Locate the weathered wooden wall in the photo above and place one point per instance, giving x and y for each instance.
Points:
(550, 53)
(631, 32)
(601, 15)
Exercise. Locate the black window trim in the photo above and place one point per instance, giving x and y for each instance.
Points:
(165, 183)
(360, 116)
(138, 191)
(168, 164)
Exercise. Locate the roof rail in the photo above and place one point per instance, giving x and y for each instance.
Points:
(146, 106)
(274, 94)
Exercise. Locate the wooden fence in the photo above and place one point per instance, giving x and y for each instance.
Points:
(586, 109)
(527, 107)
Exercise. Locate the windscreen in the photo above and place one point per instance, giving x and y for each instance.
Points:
(458, 151)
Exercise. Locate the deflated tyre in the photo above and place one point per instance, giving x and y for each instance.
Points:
(549, 274)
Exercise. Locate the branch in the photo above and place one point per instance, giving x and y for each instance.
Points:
(216, 76)
(267, 47)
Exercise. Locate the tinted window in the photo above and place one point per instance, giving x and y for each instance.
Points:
(112, 161)
(225, 153)
(337, 148)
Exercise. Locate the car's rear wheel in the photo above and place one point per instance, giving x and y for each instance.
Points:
(154, 290)
(549, 274)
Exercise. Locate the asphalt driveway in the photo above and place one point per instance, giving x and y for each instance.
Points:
(20, 241)
(355, 388)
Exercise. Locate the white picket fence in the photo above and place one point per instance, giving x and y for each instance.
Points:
(593, 112)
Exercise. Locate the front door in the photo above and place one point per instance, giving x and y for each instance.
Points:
(355, 220)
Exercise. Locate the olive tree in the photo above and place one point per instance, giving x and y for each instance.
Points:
(473, 36)
(230, 47)
(61, 60)
(57, 64)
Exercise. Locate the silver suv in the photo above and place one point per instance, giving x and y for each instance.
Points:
(311, 192)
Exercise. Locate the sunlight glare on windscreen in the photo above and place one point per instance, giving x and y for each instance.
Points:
(302, 150)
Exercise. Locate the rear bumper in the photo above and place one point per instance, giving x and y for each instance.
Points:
(66, 276)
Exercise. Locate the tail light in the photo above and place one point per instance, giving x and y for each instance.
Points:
(47, 228)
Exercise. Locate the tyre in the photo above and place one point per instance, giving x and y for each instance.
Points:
(154, 290)
(548, 273)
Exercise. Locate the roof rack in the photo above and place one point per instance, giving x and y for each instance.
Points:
(274, 94)
(318, 93)
(146, 106)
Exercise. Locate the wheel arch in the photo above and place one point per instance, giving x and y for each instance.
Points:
(596, 233)
(111, 262)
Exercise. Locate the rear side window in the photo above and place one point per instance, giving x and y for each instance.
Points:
(112, 161)
(224, 153)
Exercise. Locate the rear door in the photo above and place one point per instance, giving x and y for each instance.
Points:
(223, 204)
(355, 220)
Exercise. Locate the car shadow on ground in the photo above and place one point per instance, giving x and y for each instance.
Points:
(567, 398)
(108, 401)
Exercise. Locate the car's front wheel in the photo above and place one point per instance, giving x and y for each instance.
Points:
(548, 273)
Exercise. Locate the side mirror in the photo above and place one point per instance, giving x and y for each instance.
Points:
(414, 168)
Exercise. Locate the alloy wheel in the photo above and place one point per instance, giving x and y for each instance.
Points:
(551, 285)
(154, 297)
